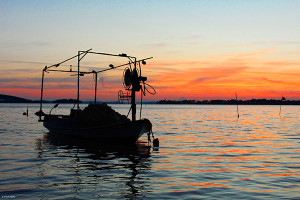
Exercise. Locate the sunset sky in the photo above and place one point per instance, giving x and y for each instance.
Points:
(201, 49)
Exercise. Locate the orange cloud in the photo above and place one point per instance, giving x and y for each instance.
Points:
(250, 74)
(223, 78)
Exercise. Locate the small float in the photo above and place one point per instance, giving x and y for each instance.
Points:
(100, 121)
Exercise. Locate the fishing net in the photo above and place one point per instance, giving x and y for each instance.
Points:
(98, 115)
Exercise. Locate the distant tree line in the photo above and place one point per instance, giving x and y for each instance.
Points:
(66, 101)
(13, 99)
(234, 102)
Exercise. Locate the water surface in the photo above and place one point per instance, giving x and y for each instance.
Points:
(205, 152)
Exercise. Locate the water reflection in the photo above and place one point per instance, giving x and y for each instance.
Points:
(205, 153)
(82, 166)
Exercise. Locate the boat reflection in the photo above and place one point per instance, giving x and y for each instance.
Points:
(82, 166)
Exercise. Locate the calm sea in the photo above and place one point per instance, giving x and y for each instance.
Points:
(205, 152)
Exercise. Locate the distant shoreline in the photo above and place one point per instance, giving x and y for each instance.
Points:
(234, 102)
(13, 99)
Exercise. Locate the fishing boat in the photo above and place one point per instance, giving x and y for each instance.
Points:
(100, 121)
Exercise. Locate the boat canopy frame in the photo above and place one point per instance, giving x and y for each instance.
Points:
(80, 55)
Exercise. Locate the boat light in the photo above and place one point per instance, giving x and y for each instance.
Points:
(123, 55)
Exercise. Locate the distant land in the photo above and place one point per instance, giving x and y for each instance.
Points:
(14, 99)
(65, 101)
(234, 102)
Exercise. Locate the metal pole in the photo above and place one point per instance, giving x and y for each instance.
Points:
(56, 65)
(109, 68)
(78, 81)
(237, 106)
(42, 88)
(133, 105)
(96, 75)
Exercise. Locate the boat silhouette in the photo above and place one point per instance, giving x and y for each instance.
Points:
(99, 121)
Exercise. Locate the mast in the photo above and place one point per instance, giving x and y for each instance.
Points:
(134, 88)
(96, 78)
(133, 105)
(78, 74)
(42, 88)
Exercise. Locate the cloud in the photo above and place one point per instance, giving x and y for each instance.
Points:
(283, 63)
(246, 54)
(228, 60)
(269, 80)
(248, 73)
(204, 79)
(214, 73)
(225, 77)
(7, 80)
(23, 62)
(24, 86)
(256, 53)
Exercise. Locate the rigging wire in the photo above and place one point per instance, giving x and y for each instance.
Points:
(129, 111)
(154, 91)
(141, 103)
(143, 93)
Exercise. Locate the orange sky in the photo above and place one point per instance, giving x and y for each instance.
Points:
(250, 75)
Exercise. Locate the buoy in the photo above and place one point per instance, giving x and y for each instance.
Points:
(26, 113)
(156, 142)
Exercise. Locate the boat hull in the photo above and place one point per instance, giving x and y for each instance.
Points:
(128, 131)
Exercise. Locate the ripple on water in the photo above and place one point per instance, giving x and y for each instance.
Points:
(205, 153)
